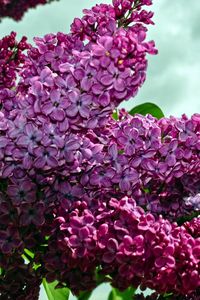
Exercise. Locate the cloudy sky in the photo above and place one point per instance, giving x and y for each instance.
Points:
(173, 78)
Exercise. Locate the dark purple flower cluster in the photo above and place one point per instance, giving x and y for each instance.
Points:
(83, 196)
(11, 59)
(16, 9)
(20, 281)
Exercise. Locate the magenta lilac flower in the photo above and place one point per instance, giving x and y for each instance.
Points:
(11, 59)
(129, 244)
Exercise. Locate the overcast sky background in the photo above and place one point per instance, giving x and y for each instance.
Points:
(173, 77)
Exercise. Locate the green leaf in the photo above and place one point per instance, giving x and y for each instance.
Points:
(84, 295)
(54, 293)
(128, 294)
(3, 183)
(188, 217)
(28, 256)
(168, 296)
(147, 108)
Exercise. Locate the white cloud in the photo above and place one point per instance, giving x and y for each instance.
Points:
(173, 76)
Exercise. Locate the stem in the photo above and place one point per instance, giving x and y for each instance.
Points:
(124, 21)
(28, 255)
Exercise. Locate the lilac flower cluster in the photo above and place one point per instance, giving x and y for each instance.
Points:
(20, 281)
(83, 195)
(157, 162)
(72, 204)
(104, 19)
(137, 156)
(78, 86)
(131, 247)
(16, 9)
(193, 227)
(194, 201)
(11, 59)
